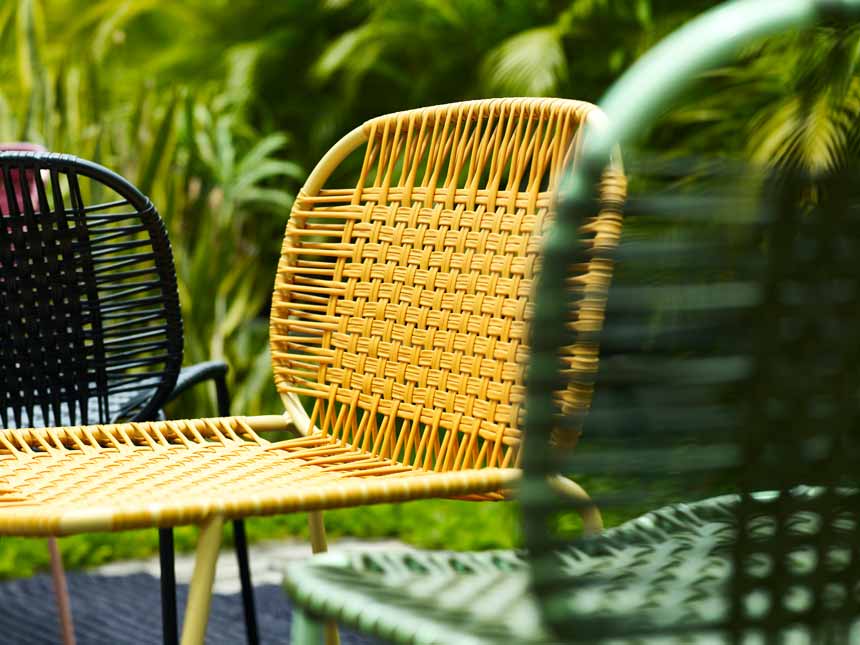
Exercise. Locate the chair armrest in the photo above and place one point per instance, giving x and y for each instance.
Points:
(198, 373)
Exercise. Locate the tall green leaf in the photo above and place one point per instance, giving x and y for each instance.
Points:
(156, 155)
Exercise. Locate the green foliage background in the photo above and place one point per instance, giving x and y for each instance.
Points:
(219, 108)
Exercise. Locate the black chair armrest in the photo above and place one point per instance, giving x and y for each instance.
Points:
(199, 373)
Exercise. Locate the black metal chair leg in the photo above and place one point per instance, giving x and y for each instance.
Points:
(241, 542)
(169, 625)
(239, 537)
(222, 395)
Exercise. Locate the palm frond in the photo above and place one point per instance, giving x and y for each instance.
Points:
(353, 49)
(530, 63)
(273, 198)
(262, 150)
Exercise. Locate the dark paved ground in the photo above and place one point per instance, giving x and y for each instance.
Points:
(126, 610)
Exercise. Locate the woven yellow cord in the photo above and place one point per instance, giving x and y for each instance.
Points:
(401, 304)
(400, 309)
(182, 472)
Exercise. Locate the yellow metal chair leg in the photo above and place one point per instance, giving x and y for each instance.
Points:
(317, 531)
(319, 545)
(61, 593)
(200, 593)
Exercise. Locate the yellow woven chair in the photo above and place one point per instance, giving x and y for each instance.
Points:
(399, 316)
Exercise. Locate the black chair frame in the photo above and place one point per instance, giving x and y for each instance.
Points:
(91, 315)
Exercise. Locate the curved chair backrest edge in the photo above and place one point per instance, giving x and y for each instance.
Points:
(167, 271)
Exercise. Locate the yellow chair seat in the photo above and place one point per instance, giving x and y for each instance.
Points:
(136, 475)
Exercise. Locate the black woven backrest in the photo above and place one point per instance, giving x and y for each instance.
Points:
(89, 309)
(729, 366)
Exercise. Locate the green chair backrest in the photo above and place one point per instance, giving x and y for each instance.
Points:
(728, 362)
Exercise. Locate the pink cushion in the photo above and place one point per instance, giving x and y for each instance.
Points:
(14, 177)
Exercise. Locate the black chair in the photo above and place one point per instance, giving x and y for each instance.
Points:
(90, 314)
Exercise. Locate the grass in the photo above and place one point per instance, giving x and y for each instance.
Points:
(431, 524)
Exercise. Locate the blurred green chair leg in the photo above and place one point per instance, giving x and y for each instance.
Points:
(306, 630)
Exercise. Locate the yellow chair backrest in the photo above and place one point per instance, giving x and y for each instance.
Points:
(401, 302)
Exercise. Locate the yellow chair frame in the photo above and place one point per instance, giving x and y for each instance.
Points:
(399, 313)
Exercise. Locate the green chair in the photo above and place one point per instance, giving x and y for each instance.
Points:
(728, 364)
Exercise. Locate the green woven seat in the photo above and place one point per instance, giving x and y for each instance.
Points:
(676, 556)
(418, 597)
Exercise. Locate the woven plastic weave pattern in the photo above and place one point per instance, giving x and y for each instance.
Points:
(728, 363)
(90, 310)
(57, 481)
(401, 303)
(801, 421)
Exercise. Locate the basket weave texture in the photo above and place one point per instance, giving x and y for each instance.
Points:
(401, 303)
